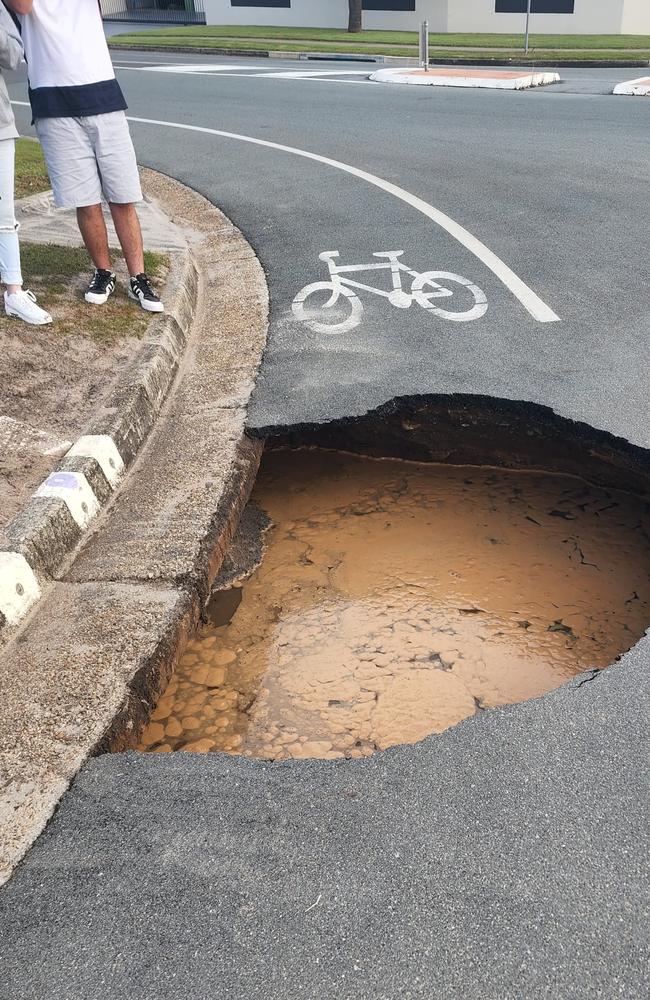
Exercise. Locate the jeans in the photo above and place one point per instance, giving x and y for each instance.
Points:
(10, 272)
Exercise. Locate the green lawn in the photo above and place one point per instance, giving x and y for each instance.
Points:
(546, 56)
(499, 48)
(218, 34)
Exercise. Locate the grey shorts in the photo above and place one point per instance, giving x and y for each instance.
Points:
(90, 157)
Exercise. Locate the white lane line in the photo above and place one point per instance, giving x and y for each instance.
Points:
(306, 74)
(190, 68)
(310, 77)
(529, 299)
(251, 70)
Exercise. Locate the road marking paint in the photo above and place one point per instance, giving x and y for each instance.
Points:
(102, 448)
(19, 588)
(529, 299)
(306, 74)
(205, 69)
(338, 286)
(190, 68)
(311, 76)
(634, 88)
(75, 491)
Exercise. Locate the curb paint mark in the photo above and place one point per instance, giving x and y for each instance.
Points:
(102, 448)
(75, 491)
(19, 588)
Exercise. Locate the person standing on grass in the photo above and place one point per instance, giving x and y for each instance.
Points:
(78, 109)
(18, 301)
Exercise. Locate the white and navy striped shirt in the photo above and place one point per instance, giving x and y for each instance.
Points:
(68, 63)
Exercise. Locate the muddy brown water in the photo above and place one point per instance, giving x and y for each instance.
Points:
(395, 599)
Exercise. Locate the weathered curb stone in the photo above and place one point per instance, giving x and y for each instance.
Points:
(49, 529)
(91, 659)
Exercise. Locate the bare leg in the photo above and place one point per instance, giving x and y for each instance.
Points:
(127, 227)
(91, 223)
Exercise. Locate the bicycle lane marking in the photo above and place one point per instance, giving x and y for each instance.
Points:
(529, 299)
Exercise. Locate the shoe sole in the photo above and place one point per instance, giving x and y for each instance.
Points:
(97, 300)
(151, 307)
(30, 322)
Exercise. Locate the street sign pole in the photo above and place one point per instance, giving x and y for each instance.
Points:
(424, 45)
(528, 6)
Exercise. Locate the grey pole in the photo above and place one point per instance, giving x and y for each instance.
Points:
(424, 45)
(528, 23)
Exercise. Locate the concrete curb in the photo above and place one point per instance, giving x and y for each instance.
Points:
(42, 539)
(90, 661)
(506, 80)
(634, 88)
(396, 60)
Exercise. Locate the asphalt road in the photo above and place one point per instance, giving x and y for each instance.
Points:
(507, 857)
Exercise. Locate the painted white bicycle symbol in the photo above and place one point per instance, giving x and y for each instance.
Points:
(425, 289)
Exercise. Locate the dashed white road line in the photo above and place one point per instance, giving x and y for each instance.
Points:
(529, 299)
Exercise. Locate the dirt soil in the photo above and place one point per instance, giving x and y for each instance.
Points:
(395, 599)
(53, 378)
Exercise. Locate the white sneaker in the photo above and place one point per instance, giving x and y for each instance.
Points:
(23, 306)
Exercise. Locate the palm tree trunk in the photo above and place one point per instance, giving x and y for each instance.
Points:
(356, 8)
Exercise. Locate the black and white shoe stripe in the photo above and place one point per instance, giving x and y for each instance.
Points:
(141, 289)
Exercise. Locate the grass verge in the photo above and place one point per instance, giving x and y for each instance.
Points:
(546, 48)
(172, 39)
(58, 276)
(455, 40)
(545, 57)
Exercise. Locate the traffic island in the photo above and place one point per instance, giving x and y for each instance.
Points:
(487, 79)
(634, 88)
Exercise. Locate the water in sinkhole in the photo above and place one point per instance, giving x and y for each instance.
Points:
(395, 599)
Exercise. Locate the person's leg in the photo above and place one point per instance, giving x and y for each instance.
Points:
(17, 302)
(70, 157)
(92, 226)
(121, 186)
(10, 270)
(129, 233)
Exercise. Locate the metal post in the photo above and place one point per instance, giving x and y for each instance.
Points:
(528, 23)
(424, 45)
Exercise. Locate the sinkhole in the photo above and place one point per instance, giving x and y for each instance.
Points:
(370, 600)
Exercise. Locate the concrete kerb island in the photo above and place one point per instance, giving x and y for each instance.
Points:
(489, 79)
(121, 592)
(634, 88)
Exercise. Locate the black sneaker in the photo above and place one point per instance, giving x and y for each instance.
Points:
(102, 285)
(141, 289)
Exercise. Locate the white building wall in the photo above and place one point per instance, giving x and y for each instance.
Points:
(328, 14)
(591, 17)
(636, 17)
